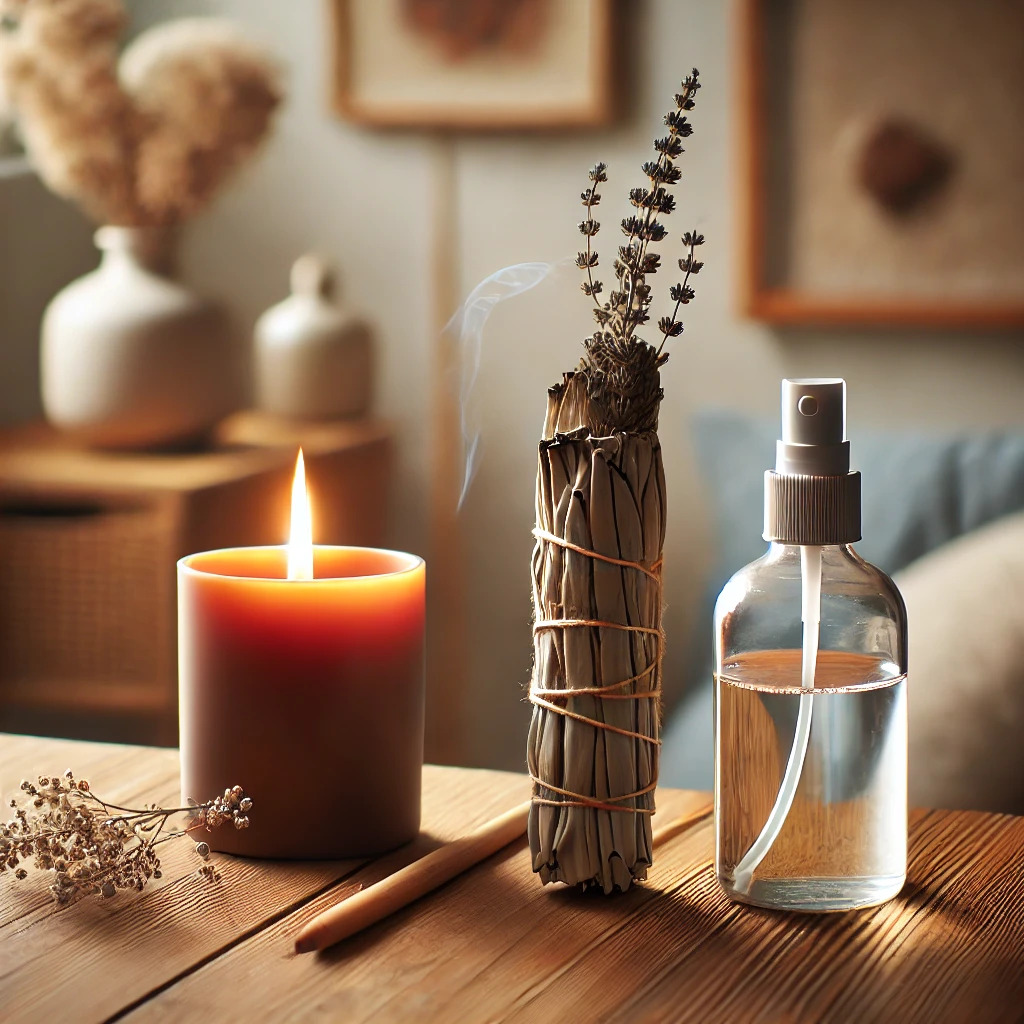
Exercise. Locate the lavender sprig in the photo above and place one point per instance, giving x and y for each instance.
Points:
(621, 369)
(627, 307)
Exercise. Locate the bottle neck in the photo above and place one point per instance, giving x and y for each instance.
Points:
(148, 247)
(831, 554)
(785, 546)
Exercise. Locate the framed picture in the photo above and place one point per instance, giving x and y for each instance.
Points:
(473, 64)
(883, 153)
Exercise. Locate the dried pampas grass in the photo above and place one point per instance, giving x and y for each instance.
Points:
(60, 71)
(144, 140)
(209, 96)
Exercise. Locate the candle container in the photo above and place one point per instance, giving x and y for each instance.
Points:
(308, 693)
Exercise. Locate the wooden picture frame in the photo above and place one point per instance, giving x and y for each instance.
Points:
(468, 96)
(764, 296)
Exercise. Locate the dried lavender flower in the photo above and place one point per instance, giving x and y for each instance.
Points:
(92, 847)
(621, 369)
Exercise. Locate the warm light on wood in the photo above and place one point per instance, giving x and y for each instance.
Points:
(300, 541)
(374, 903)
(483, 947)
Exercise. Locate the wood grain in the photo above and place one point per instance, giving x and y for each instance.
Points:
(132, 946)
(466, 953)
(787, 307)
(495, 945)
(375, 903)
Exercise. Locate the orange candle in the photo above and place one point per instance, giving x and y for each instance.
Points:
(301, 679)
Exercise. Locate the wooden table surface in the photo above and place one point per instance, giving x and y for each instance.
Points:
(494, 945)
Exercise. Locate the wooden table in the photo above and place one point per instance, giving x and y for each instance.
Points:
(495, 945)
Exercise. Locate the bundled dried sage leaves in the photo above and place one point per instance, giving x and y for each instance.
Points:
(596, 686)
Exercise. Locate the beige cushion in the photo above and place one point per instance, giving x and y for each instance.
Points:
(965, 605)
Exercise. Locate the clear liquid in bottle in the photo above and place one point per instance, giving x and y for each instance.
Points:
(843, 842)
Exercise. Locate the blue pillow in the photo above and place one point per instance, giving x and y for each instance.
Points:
(918, 492)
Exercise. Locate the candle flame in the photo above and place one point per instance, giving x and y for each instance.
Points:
(300, 543)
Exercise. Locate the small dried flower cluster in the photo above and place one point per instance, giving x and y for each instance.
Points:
(234, 807)
(623, 368)
(95, 848)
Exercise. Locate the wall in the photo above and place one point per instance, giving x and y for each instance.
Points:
(365, 197)
(44, 244)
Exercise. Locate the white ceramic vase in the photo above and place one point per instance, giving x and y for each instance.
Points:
(314, 359)
(131, 358)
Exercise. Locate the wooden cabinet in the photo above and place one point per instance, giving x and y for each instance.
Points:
(89, 541)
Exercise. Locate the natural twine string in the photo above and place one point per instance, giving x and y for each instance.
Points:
(537, 694)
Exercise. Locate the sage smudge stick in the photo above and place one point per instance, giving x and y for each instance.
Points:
(594, 737)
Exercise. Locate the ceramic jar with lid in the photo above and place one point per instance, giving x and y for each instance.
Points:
(314, 359)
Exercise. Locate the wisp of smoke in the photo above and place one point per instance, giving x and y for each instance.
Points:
(468, 327)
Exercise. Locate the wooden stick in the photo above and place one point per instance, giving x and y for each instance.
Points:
(375, 902)
(679, 825)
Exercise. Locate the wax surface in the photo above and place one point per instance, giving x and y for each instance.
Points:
(308, 694)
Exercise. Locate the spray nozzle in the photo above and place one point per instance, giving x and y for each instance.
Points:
(813, 428)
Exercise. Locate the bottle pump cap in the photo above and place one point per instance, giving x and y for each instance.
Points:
(812, 497)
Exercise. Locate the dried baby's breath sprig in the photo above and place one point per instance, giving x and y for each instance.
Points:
(621, 369)
(93, 847)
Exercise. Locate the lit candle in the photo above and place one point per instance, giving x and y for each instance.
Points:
(301, 678)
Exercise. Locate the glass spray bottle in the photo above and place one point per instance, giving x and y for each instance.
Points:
(810, 688)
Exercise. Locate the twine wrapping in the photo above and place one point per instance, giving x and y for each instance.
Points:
(603, 692)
